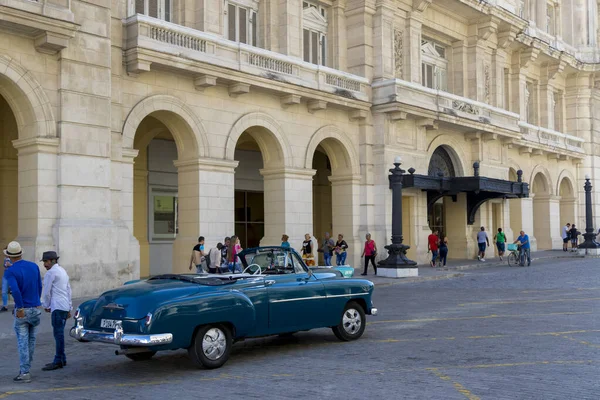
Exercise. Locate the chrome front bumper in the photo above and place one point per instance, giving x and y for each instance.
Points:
(118, 337)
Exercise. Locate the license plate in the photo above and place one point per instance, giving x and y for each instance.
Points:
(109, 323)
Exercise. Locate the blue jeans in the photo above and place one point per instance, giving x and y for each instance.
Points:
(4, 292)
(327, 258)
(434, 255)
(26, 328)
(59, 319)
(524, 254)
(341, 258)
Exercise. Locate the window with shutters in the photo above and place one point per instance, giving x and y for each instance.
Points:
(434, 65)
(161, 9)
(314, 35)
(241, 24)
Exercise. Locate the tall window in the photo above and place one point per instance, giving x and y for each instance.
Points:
(249, 217)
(164, 221)
(434, 65)
(314, 35)
(161, 9)
(241, 23)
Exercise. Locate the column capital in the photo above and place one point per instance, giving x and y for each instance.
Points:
(36, 145)
(288, 172)
(344, 179)
(206, 164)
(128, 155)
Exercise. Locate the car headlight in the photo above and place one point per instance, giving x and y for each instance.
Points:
(148, 319)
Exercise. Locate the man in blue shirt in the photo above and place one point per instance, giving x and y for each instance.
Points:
(25, 282)
(524, 249)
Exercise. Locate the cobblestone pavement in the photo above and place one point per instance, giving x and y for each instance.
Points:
(495, 333)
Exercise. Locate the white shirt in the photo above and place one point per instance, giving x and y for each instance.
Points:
(56, 294)
(215, 257)
(564, 232)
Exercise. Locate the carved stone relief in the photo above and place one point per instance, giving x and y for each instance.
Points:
(398, 52)
(486, 77)
(465, 107)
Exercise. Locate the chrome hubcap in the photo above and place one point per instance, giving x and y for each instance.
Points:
(214, 344)
(351, 321)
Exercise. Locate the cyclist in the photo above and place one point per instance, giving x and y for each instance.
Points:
(524, 249)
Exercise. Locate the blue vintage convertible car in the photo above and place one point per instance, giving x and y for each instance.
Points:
(206, 314)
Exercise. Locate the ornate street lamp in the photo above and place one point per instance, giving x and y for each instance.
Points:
(590, 246)
(397, 264)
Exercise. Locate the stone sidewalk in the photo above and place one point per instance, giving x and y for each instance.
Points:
(454, 268)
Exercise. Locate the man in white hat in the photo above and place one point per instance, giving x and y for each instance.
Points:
(25, 282)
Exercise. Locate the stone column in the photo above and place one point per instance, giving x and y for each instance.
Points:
(359, 20)
(412, 47)
(383, 36)
(547, 102)
(290, 27)
(206, 206)
(459, 71)
(288, 205)
(497, 95)
(208, 16)
(139, 248)
(345, 201)
(475, 80)
(336, 35)
(541, 15)
(580, 25)
(462, 243)
(521, 219)
(38, 195)
(547, 226)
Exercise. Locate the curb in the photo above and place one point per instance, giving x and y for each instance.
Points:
(400, 281)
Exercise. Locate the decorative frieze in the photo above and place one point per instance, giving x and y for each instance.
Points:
(486, 77)
(398, 53)
(465, 107)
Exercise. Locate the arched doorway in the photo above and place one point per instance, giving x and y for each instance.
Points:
(260, 188)
(568, 202)
(546, 208)
(9, 176)
(440, 165)
(322, 199)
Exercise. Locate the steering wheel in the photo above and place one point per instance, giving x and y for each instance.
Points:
(257, 272)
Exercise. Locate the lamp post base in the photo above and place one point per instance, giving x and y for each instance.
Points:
(397, 265)
(590, 247)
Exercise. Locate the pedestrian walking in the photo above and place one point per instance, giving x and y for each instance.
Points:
(566, 236)
(214, 259)
(56, 299)
(6, 263)
(433, 242)
(341, 248)
(369, 253)
(307, 251)
(327, 249)
(233, 260)
(483, 242)
(574, 236)
(500, 239)
(198, 258)
(25, 281)
(443, 250)
(284, 241)
(524, 249)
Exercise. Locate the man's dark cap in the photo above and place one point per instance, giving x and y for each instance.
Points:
(49, 255)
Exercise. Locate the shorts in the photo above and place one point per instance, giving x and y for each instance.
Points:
(482, 247)
(574, 241)
(566, 240)
(501, 246)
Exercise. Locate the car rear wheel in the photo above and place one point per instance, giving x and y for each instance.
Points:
(211, 346)
(352, 323)
(141, 356)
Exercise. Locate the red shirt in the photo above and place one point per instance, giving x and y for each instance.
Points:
(433, 242)
(370, 248)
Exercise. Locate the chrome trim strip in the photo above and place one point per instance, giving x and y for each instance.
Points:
(118, 337)
(318, 297)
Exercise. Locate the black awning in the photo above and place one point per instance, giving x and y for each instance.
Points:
(478, 189)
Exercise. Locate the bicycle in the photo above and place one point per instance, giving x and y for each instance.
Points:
(515, 258)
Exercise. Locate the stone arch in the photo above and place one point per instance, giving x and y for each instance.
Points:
(27, 99)
(568, 177)
(182, 122)
(547, 180)
(276, 150)
(341, 153)
(454, 149)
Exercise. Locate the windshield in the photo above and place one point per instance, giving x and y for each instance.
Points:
(274, 261)
(202, 280)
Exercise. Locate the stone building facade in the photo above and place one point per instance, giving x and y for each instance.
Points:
(130, 127)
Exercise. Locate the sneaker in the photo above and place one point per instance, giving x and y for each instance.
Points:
(52, 367)
(479, 258)
(3, 309)
(500, 258)
(483, 260)
(23, 378)
(363, 274)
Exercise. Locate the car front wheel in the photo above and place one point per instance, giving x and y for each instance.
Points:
(352, 323)
(211, 346)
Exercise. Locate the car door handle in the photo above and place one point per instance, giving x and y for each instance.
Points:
(269, 282)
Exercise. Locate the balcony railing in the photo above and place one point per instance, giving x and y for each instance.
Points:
(149, 33)
(446, 105)
(550, 138)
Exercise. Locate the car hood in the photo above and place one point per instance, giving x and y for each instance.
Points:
(135, 300)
